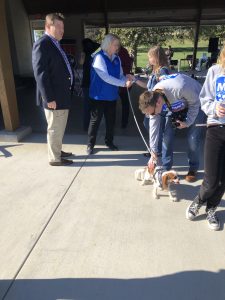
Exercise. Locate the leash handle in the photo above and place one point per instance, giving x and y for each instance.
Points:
(132, 109)
(201, 125)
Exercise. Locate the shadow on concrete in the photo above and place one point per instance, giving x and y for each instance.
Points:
(125, 160)
(82, 139)
(4, 150)
(189, 285)
(186, 191)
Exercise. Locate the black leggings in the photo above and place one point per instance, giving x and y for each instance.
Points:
(98, 109)
(125, 106)
(213, 185)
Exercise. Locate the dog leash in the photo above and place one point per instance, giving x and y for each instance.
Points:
(132, 109)
(201, 125)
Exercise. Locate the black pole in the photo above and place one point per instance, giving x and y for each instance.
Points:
(106, 17)
(197, 28)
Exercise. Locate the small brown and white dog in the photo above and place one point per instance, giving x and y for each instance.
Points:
(160, 179)
(163, 180)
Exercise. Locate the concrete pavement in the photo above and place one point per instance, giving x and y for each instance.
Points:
(90, 231)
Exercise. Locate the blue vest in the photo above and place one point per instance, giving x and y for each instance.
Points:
(101, 90)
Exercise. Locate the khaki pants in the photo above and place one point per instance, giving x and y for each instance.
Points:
(56, 120)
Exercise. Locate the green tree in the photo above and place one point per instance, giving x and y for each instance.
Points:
(95, 34)
(132, 38)
(212, 31)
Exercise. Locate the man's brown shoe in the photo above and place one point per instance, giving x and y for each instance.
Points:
(191, 176)
(63, 162)
(65, 154)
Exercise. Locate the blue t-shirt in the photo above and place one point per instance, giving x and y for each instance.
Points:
(154, 78)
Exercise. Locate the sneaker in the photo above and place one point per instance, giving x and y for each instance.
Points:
(112, 147)
(193, 209)
(191, 176)
(90, 149)
(213, 221)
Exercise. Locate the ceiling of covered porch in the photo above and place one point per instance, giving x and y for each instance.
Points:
(133, 12)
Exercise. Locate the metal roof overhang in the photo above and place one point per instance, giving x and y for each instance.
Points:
(144, 13)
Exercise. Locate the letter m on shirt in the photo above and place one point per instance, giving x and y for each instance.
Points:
(220, 88)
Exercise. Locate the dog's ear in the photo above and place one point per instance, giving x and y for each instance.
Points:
(165, 178)
(174, 177)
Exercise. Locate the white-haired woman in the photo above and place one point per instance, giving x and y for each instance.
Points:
(106, 77)
(212, 99)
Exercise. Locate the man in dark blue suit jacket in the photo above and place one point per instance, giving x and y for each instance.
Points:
(54, 78)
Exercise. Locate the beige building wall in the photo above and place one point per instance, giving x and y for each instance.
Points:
(20, 27)
(19, 37)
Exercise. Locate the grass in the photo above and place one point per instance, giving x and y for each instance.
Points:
(181, 50)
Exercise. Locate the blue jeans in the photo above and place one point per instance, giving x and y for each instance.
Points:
(194, 140)
(146, 123)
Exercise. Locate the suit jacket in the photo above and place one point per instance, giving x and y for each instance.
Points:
(51, 74)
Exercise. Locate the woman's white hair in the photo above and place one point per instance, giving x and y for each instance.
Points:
(107, 41)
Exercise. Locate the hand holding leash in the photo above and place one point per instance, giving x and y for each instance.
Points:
(52, 105)
(152, 163)
(181, 124)
(128, 83)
